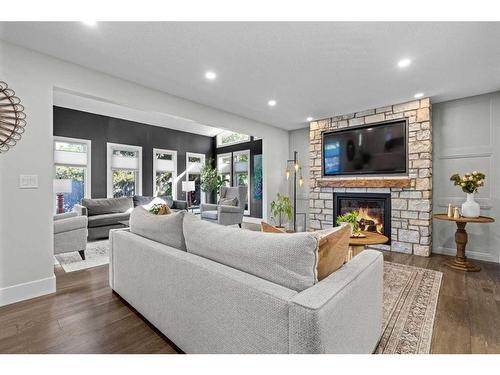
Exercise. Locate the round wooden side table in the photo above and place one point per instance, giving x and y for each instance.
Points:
(358, 244)
(460, 261)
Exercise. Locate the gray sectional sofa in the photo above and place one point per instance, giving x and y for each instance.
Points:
(105, 214)
(216, 289)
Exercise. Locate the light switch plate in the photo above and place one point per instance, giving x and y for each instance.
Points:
(28, 181)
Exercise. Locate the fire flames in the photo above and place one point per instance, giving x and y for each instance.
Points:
(370, 223)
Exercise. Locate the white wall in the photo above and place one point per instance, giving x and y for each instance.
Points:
(467, 138)
(299, 141)
(26, 248)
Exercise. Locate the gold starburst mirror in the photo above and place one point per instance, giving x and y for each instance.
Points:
(12, 118)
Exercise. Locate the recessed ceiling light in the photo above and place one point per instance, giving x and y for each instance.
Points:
(271, 103)
(309, 119)
(404, 63)
(90, 23)
(210, 75)
(418, 95)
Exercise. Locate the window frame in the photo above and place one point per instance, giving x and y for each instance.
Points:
(110, 147)
(174, 173)
(88, 167)
(203, 198)
(233, 174)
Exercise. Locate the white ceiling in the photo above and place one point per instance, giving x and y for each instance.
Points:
(311, 69)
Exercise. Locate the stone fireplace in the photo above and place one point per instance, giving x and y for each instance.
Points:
(399, 206)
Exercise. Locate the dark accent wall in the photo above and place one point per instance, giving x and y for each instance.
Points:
(102, 129)
(255, 148)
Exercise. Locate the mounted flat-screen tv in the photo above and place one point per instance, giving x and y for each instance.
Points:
(366, 150)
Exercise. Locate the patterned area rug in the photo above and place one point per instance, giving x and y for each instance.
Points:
(95, 255)
(410, 300)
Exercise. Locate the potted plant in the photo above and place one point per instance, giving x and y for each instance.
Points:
(352, 218)
(281, 210)
(469, 183)
(210, 181)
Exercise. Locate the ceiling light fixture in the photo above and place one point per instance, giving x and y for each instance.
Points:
(210, 75)
(90, 23)
(309, 119)
(418, 95)
(404, 63)
(271, 103)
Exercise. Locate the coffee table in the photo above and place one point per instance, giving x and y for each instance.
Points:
(460, 261)
(358, 244)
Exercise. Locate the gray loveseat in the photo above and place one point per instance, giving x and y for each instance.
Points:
(105, 214)
(217, 289)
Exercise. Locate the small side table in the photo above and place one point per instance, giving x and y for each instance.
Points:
(460, 261)
(358, 244)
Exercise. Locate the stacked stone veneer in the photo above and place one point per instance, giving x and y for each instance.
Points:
(411, 207)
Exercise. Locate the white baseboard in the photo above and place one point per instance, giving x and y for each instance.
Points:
(32, 289)
(478, 255)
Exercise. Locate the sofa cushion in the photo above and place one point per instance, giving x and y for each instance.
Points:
(107, 219)
(212, 215)
(288, 260)
(107, 205)
(166, 229)
(333, 247)
(141, 200)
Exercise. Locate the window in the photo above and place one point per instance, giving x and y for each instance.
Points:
(194, 163)
(241, 172)
(72, 162)
(224, 162)
(165, 172)
(124, 170)
(227, 138)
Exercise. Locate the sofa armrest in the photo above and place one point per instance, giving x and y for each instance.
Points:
(229, 209)
(343, 312)
(65, 215)
(180, 205)
(80, 210)
(71, 223)
(208, 207)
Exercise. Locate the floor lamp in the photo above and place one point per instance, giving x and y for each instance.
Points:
(188, 187)
(293, 164)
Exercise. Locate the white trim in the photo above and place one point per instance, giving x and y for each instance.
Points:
(174, 174)
(109, 176)
(202, 157)
(88, 167)
(478, 255)
(31, 289)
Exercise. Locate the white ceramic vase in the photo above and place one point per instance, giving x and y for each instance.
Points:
(470, 208)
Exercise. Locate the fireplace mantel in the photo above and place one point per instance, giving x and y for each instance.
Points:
(358, 182)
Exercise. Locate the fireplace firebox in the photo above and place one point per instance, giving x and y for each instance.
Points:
(374, 210)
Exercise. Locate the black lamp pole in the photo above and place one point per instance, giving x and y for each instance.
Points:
(295, 163)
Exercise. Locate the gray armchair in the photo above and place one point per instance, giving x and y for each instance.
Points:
(70, 233)
(223, 214)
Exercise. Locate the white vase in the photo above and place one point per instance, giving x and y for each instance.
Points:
(470, 208)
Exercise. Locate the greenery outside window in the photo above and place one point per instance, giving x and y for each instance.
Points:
(72, 161)
(124, 170)
(165, 172)
(227, 138)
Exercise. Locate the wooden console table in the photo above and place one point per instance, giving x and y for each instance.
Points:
(460, 261)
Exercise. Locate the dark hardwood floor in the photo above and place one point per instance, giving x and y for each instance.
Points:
(85, 316)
